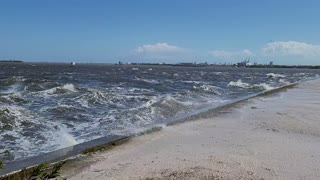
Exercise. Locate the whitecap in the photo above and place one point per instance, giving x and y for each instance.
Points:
(240, 84)
(67, 88)
(208, 88)
(273, 75)
(192, 82)
(151, 81)
(264, 86)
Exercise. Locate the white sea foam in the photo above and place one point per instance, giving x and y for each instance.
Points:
(240, 84)
(284, 81)
(216, 73)
(69, 87)
(64, 138)
(22, 144)
(13, 89)
(203, 73)
(151, 81)
(208, 88)
(66, 88)
(264, 86)
(273, 75)
(299, 74)
(191, 82)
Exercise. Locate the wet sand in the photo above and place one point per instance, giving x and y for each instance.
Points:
(270, 137)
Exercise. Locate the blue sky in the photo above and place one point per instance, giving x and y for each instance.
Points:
(284, 31)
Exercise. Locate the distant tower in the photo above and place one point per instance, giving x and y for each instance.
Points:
(271, 63)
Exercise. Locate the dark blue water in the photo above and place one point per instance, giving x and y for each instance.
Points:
(45, 107)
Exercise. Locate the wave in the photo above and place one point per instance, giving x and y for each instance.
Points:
(299, 74)
(12, 89)
(12, 80)
(21, 131)
(240, 84)
(40, 85)
(93, 97)
(26, 134)
(114, 97)
(192, 82)
(273, 75)
(244, 85)
(7, 116)
(63, 138)
(216, 73)
(64, 89)
(61, 108)
(203, 73)
(264, 86)
(151, 81)
(12, 85)
(208, 88)
(13, 98)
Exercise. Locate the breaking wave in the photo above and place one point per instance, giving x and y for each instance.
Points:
(64, 89)
(240, 84)
(273, 75)
(244, 85)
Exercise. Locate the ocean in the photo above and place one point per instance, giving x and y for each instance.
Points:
(46, 107)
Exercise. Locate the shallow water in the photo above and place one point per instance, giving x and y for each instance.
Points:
(45, 107)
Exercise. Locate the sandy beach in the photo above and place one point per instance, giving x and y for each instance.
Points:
(267, 137)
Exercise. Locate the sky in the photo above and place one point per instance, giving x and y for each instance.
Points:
(170, 31)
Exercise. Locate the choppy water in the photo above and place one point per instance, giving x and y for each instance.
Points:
(45, 107)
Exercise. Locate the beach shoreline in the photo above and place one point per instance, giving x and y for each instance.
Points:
(267, 137)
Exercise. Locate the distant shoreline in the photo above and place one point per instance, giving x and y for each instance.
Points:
(11, 61)
(177, 64)
(286, 66)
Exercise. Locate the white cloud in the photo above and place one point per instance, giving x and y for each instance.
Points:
(291, 48)
(158, 48)
(221, 54)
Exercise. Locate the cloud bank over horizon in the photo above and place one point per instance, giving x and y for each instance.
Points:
(161, 52)
(283, 52)
(292, 48)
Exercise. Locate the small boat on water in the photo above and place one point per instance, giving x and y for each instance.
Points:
(72, 64)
